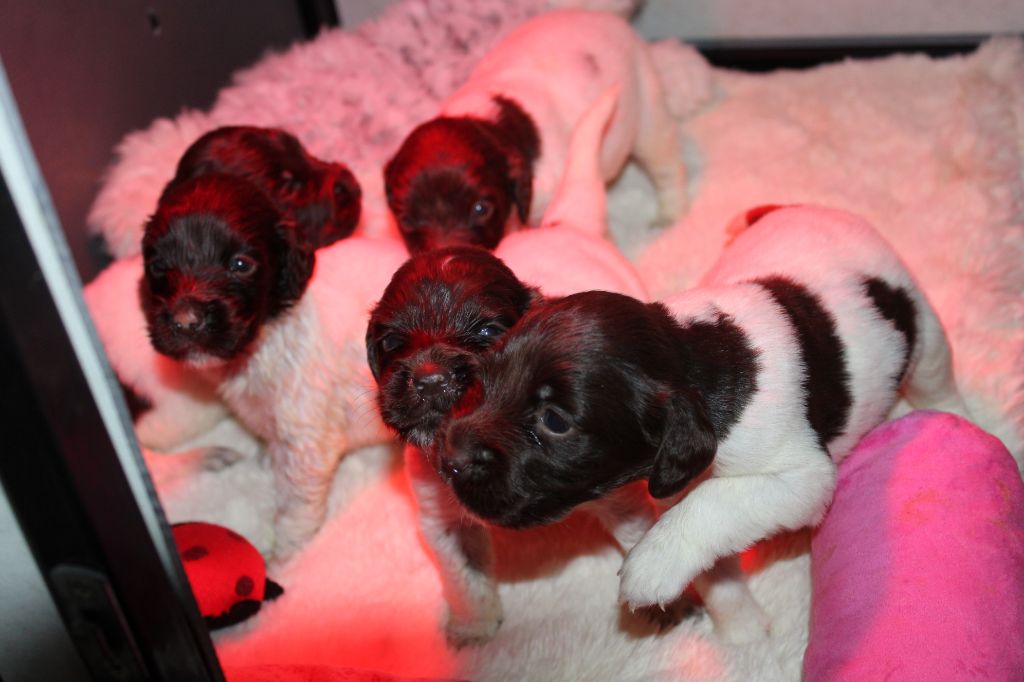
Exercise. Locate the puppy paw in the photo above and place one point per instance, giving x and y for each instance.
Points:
(652, 576)
(279, 555)
(218, 458)
(462, 632)
(286, 544)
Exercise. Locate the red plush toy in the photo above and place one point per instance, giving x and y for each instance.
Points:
(227, 574)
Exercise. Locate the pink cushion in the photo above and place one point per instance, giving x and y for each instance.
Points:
(918, 567)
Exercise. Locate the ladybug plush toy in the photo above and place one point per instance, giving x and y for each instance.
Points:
(227, 574)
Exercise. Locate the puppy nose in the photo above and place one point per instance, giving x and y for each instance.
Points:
(430, 380)
(456, 463)
(186, 317)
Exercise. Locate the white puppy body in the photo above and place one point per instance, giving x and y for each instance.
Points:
(306, 389)
(771, 473)
(554, 67)
(567, 253)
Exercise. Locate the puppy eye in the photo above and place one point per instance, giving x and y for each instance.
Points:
(490, 330)
(290, 183)
(155, 268)
(482, 211)
(390, 342)
(554, 422)
(341, 192)
(242, 265)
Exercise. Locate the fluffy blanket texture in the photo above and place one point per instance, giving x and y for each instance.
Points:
(930, 150)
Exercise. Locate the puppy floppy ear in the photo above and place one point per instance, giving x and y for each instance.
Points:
(688, 444)
(520, 174)
(346, 187)
(521, 144)
(295, 264)
(390, 174)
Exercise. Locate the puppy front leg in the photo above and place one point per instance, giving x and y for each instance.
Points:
(737, 616)
(302, 480)
(463, 552)
(720, 517)
(627, 513)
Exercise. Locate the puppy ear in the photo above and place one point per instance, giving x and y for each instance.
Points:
(346, 183)
(296, 261)
(348, 198)
(533, 296)
(521, 177)
(391, 178)
(688, 444)
(388, 174)
(521, 144)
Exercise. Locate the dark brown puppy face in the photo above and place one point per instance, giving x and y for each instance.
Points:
(323, 199)
(440, 312)
(459, 180)
(578, 399)
(220, 261)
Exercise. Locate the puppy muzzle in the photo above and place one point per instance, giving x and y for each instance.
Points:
(190, 327)
(436, 380)
(189, 316)
(431, 380)
(466, 463)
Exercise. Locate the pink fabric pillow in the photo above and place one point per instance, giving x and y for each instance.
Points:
(918, 568)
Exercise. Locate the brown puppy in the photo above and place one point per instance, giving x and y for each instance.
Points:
(494, 157)
(322, 199)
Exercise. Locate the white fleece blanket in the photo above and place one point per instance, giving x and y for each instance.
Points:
(930, 150)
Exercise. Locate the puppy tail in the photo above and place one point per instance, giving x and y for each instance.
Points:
(580, 201)
(742, 221)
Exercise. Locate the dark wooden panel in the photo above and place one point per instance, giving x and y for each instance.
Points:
(86, 73)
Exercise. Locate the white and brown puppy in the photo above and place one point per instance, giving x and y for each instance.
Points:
(734, 401)
(446, 308)
(494, 157)
(225, 293)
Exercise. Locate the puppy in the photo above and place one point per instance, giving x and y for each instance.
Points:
(322, 199)
(446, 308)
(493, 158)
(734, 401)
(225, 293)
